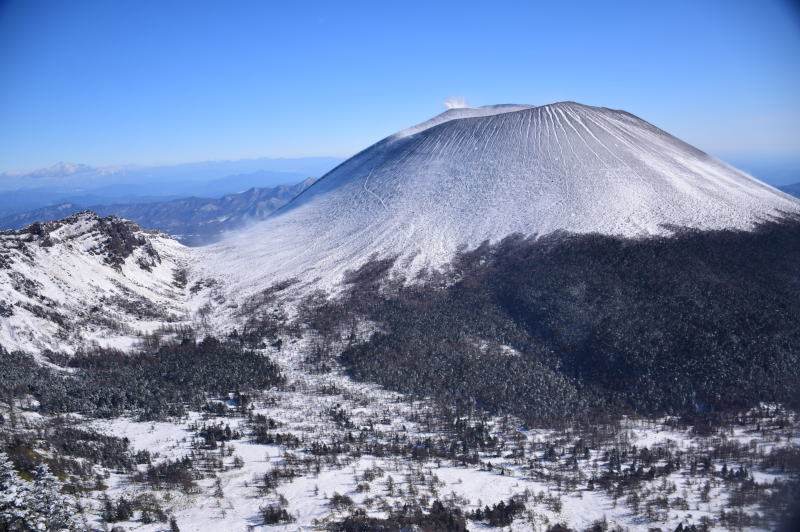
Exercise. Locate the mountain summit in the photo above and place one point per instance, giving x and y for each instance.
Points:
(470, 175)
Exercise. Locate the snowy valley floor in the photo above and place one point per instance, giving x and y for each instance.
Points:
(324, 447)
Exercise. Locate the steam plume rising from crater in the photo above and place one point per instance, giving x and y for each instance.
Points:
(455, 102)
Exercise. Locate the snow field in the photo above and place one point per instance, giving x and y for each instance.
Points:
(301, 409)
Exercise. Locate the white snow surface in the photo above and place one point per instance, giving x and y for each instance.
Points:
(471, 175)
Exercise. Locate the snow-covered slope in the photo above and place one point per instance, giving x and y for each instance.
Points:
(71, 282)
(469, 175)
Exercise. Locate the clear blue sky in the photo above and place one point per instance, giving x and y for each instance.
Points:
(115, 82)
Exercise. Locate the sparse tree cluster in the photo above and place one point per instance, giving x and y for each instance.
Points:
(154, 385)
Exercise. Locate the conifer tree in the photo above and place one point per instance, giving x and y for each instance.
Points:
(34, 506)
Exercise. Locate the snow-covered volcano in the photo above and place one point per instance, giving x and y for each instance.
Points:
(470, 175)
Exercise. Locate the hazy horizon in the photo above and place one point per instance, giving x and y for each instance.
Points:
(775, 169)
(119, 83)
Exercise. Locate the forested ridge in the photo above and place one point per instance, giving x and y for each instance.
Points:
(566, 326)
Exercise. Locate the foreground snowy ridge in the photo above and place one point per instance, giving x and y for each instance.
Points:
(87, 279)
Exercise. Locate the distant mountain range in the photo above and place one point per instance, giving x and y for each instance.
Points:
(779, 170)
(794, 189)
(193, 221)
(87, 185)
